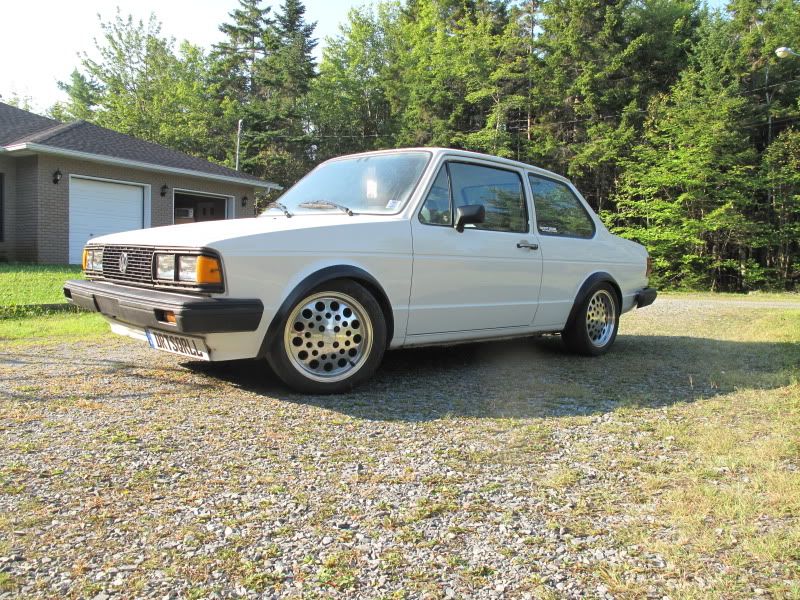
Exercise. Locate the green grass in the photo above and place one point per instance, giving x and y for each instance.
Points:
(56, 327)
(22, 284)
(749, 296)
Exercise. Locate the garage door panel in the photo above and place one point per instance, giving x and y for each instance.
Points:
(101, 207)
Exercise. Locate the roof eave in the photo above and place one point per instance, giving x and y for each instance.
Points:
(135, 164)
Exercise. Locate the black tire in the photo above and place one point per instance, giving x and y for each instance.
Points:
(593, 328)
(331, 340)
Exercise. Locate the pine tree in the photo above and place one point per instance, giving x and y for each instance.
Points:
(83, 97)
(284, 144)
(350, 109)
(689, 185)
(599, 64)
(249, 39)
(781, 173)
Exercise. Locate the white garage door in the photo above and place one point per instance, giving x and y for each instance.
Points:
(100, 207)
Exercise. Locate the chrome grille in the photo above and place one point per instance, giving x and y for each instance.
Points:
(139, 264)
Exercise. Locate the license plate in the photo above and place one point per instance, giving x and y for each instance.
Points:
(178, 344)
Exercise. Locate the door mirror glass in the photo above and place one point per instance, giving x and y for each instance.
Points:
(469, 214)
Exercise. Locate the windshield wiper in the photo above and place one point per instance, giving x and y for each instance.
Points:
(326, 204)
(281, 207)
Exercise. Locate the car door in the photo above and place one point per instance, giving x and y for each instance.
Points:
(570, 250)
(486, 277)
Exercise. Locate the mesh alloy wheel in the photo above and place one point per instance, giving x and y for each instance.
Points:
(328, 336)
(600, 318)
(592, 328)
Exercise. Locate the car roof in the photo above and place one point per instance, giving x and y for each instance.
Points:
(438, 151)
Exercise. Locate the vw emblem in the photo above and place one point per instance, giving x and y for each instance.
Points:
(123, 262)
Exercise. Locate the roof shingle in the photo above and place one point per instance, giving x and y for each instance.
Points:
(15, 123)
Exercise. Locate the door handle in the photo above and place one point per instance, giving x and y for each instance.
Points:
(528, 245)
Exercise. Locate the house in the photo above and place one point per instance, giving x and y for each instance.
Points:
(63, 183)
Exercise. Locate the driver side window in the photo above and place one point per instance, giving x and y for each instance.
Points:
(436, 209)
(499, 191)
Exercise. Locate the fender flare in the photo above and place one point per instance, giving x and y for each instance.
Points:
(587, 286)
(318, 278)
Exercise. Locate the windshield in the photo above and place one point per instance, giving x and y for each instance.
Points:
(378, 184)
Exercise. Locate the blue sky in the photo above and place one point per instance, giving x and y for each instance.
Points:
(40, 39)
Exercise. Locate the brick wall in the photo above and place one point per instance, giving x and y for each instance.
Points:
(8, 168)
(53, 223)
(26, 222)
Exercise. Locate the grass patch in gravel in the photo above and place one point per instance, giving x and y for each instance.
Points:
(735, 499)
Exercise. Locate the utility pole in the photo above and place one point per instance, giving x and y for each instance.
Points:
(238, 139)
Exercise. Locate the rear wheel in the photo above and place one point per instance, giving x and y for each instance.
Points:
(593, 328)
(331, 340)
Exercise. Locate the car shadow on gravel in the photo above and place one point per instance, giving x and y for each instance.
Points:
(537, 378)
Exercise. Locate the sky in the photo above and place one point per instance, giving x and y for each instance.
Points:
(40, 40)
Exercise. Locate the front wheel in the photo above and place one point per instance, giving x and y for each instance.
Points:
(331, 340)
(593, 328)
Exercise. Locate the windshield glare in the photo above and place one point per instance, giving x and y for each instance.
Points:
(378, 184)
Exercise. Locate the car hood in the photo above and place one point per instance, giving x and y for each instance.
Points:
(214, 233)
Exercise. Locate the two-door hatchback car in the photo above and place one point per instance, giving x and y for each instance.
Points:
(372, 252)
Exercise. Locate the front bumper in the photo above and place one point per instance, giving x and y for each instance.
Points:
(646, 297)
(146, 308)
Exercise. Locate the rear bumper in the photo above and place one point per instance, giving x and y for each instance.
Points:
(646, 297)
(145, 308)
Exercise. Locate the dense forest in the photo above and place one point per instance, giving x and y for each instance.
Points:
(680, 124)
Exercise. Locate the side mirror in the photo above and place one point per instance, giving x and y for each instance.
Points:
(469, 214)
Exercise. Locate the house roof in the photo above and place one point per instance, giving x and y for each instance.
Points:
(16, 123)
(21, 130)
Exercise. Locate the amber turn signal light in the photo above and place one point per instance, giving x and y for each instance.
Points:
(85, 259)
(208, 270)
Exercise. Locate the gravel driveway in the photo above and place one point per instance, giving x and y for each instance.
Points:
(474, 471)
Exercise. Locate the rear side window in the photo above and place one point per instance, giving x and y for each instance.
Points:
(499, 191)
(558, 210)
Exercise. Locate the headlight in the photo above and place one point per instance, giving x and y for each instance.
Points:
(202, 270)
(187, 268)
(165, 266)
(92, 260)
(97, 260)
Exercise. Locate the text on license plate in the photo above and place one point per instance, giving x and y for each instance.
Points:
(178, 344)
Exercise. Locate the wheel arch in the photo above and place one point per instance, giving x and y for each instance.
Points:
(325, 275)
(587, 286)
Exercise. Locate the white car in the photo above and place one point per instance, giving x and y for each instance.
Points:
(368, 253)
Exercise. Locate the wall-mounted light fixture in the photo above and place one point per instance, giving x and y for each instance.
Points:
(164, 189)
(57, 176)
(244, 201)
